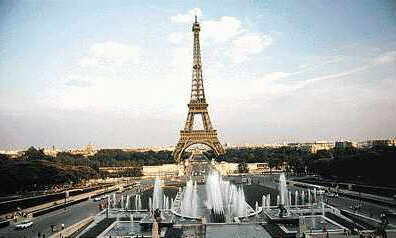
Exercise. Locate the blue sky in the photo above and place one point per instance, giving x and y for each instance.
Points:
(118, 73)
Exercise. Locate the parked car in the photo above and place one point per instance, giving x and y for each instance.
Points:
(24, 224)
(97, 199)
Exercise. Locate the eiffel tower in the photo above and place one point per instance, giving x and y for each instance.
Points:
(197, 106)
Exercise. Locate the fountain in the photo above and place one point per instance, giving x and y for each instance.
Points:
(314, 195)
(284, 195)
(194, 202)
(158, 194)
(164, 202)
(230, 196)
(268, 200)
(122, 202)
(241, 203)
(256, 208)
(263, 201)
(187, 202)
(167, 202)
(150, 204)
(127, 202)
(225, 200)
(284, 200)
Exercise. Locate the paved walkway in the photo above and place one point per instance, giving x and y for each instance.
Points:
(62, 201)
(372, 197)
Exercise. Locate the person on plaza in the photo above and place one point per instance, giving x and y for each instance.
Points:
(63, 226)
(383, 225)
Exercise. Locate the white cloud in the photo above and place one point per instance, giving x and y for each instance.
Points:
(111, 53)
(212, 31)
(78, 81)
(386, 58)
(339, 75)
(188, 17)
(114, 77)
(176, 37)
(274, 76)
(222, 30)
(247, 45)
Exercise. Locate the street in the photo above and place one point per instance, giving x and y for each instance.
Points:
(43, 223)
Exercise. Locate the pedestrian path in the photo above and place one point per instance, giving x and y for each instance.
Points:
(59, 202)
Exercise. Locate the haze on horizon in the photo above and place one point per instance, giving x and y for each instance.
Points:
(118, 73)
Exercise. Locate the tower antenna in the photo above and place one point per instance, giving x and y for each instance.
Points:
(196, 11)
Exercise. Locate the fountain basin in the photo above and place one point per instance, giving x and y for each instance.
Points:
(125, 229)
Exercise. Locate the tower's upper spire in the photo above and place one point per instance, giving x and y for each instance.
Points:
(196, 14)
(197, 90)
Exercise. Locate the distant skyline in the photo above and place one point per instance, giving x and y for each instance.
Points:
(118, 73)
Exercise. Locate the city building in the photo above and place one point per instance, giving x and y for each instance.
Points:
(343, 144)
(88, 150)
(161, 170)
(381, 142)
(12, 153)
(155, 170)
(314, 147)
(51, 151)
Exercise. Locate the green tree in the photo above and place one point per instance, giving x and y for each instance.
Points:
(34, 154)
(243, 168)
(273, 163)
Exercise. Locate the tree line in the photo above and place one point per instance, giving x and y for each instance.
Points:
(368, 165)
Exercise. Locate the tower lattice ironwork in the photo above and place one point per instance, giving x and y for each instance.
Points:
(197, 106)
